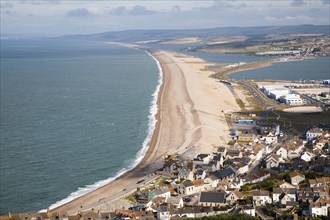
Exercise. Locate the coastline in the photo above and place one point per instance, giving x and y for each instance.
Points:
(151, 143)
(152, 118)
(189, 120)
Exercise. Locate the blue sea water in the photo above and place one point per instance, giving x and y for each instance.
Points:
(73, 113)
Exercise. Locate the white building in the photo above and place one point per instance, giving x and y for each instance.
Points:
(292, 99)
(282, 152)
(307, 156)
(261, 197)
(277, 93)
(186, 188)
(313, 133)
(320, 208)
(248, 210)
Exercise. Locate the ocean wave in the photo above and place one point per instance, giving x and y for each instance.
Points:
(153, 109)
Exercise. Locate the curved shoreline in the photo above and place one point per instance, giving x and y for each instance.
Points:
(189, 120)
(151, 145)
(152, 128)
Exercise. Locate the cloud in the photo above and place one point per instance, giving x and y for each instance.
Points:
(296, 3)
(80, 12)
(326, 2)
(121, 10)
(136, 10)
(176, 8)
(43, 2)
(6, 5)
(140, 10)
(243, 5)
(223, 5)
(314, 10)
(298, 19)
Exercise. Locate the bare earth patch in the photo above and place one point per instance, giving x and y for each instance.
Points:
(303, 109)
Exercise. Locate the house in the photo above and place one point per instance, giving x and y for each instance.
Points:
(320, 207)
(313, 133)
(231, 154)
(144, 196)
(204, 158)
(307, 195)
(163, 211)
(282, 152)
(186, 188)
(296, 178)
(282, 184)
(140, 214)
(245, 138)
(320, 144)
(284, 199)
(218, 160)
(259, 151)
(200, 174)
(299, 165)
(255, 177)
(248, 210)
(153, 204)
(169, 168)
(291, 204)
(270, 138)
(185, 174)
(307, 156)
(177, 202)
(261, 197)
(162, 192)
(222, 151)
(293, 154)
(278, 194)
(234, 196)
(212, 199)
(319, 182)
(198, 185)
(212, 166)
(228, 173)
(241, 165)
(272, 161)
(185, 212)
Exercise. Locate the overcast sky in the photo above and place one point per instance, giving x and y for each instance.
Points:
(61, 17)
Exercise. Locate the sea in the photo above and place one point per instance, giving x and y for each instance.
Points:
(74, 115)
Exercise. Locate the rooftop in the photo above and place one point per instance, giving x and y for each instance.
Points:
(216, 197)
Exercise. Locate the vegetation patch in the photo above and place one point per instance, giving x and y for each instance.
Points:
(229, 216)
(299, 122)
(240, 103)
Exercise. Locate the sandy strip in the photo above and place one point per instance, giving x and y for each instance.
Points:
(190, 120)
(303, 109)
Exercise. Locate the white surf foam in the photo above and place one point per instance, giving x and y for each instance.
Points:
(153, 109)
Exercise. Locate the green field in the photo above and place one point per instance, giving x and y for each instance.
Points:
(299, 122)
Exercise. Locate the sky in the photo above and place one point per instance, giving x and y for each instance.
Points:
(63, 17)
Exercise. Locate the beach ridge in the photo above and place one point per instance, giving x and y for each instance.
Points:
(189, 120)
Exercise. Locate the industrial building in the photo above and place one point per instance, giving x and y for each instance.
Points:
(291, 99)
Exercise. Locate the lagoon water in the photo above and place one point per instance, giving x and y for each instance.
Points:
(310, 69)
(73, 113)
